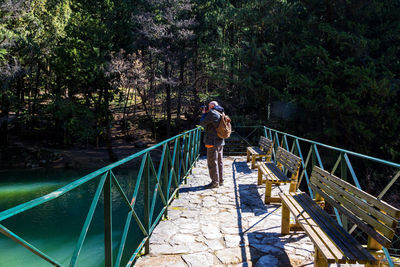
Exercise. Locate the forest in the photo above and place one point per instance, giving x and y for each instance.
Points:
(72, 71)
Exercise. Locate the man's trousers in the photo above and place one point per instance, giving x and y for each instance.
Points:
(215, 165)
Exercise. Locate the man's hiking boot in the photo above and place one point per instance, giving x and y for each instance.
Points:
(211, 185)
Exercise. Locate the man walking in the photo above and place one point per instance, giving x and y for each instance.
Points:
(215, 145)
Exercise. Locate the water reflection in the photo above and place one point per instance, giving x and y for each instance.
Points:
(54, 227)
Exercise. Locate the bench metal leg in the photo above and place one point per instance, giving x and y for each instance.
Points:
(319, 260)
(248, 155)
(285, 223)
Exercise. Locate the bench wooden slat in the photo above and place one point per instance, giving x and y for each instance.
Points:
(315, 236)
(366, 206)
(352, 249)
(390, 210)
(288, 159)
(258, 151)
(333, 233)
(271, 167)
(269, 175)
(251, 149)
(263, 151)
(364, 226)
(275, 175)
(292, 167)
(265, 143)
(374, 217)
(382, 222)
(323, 223)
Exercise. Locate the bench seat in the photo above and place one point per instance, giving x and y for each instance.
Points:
(375, 218)
(334, 242)
(271, 173)
(257, 151)
(274, 174)
(264, 150)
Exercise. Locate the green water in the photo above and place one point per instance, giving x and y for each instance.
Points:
(54, 227)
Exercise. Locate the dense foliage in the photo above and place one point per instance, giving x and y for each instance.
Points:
(325, 70)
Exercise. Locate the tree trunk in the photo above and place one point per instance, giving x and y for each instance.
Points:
(195, 91)
(180, 88)
(168, 100)
(35, 96)
(4, 122)
(143, 100)
(111, 155)
(124, 112)
(97, 114)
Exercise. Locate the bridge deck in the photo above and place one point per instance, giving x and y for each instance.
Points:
(225, 226)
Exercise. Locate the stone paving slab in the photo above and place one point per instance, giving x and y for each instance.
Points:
(225, 226)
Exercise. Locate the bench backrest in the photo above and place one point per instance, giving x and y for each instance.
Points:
(374, 216)
(265, 144)
(289, 161)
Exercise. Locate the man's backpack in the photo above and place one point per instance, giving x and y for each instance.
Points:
(224, 128)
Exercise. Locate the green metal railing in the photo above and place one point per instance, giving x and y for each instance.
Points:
(242, 137)
(337, 160)
(178, 157)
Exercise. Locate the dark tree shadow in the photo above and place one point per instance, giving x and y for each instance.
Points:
(251, 200)
(261, 243)
(241, 167)
(192, 189)
(265, 243)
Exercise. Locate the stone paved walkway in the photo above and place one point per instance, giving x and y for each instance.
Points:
(225, 226)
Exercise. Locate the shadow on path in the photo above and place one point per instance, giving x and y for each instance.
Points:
(239, 214)
(250, 199)
(262, 244)
(271, 245)
(192, 189)
(241, 167)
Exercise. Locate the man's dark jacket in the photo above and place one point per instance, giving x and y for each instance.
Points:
(210, 122)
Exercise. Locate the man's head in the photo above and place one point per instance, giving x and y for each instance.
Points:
(212, 104)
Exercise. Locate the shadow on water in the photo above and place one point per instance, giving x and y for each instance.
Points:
(261, 243)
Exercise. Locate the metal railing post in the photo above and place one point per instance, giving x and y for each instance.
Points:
(343, 175)
(178, 164)
(314, 157)
(165, 181)
(108, 222)
(146, 193)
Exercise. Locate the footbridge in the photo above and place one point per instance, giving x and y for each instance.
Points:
(153, 209)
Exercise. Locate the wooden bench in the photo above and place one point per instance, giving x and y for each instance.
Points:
(263, 151)
(332, 242)
(274, 173)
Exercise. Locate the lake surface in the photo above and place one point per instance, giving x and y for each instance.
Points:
(54, 227)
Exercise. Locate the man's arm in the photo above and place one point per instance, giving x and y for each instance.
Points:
(208, 118)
